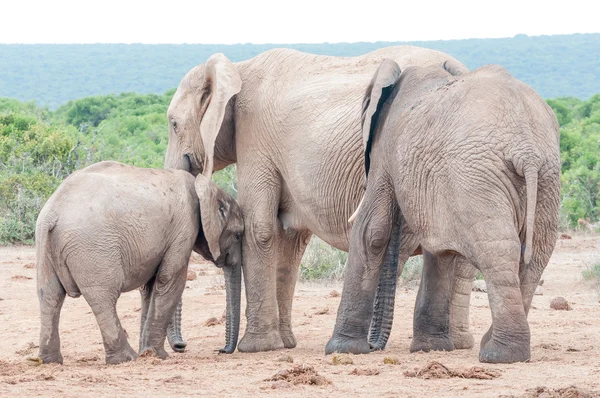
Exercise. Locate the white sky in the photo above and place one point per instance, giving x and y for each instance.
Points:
(296, 21)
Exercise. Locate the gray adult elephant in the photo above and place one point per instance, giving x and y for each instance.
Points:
(292, 123)
(469, 168)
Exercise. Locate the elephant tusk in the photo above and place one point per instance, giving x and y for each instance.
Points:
(355, 214)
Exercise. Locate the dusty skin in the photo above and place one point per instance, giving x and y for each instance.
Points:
(566, 344)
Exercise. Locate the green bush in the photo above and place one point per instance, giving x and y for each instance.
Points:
(34, 158)
(322, 262)
(413, 269)
(39, 148)
(592, 273)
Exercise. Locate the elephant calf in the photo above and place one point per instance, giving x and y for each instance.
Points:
(112, 228)
(468, 168)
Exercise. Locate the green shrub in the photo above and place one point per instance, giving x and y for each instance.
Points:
(592, 273)
(322, 262)
(413, 269)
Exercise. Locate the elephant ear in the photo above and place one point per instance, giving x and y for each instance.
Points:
(378, 91)
(221, 82)
(454, 67)
(212, 213)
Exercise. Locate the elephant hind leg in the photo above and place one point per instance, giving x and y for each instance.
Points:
(509, 340)
(293, 244)
(544, 240)
(431, 325)
(51, 295)
(103, 301)
(462, 281)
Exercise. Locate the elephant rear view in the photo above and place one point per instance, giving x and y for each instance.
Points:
(470, 167)
(112, 228)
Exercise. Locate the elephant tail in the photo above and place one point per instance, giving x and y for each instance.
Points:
(45, 223)
(531, 184)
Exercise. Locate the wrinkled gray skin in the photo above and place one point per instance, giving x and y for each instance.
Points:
(467, 168)
(112, 228)
(292, 123)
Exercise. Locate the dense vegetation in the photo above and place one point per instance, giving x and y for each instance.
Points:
(39, 148)
(556, 66)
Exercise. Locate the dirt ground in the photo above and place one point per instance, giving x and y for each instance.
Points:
(566, 345)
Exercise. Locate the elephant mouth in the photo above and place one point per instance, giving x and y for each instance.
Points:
(222, 261)
(191, 166)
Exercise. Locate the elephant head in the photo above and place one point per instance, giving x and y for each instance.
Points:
(198, 112)
(219, 240)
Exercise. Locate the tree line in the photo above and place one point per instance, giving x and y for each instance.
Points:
(51, 74)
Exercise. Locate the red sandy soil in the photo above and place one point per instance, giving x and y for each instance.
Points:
(566, 345)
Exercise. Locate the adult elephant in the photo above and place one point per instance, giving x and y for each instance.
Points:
(292, 123)
(470, 168)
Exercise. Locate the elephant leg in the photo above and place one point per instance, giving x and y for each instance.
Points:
(174, 330)
(261, 247)
(544, 237)
(431, 324)
(51, 295)
(168, 287)
(293, 244)
(369, 240)
(383, 309)
(509, 340)
(146, 294)
(544, 240)
(462, 283)
(103, 301)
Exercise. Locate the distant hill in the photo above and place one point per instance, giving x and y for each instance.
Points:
(51, 74)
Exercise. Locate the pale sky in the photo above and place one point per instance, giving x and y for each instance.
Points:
(296, 21)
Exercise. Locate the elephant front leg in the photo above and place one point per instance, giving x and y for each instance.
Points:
(293, 245)
(431, 326)
(166, 294)
(261, 248)
(368, 243)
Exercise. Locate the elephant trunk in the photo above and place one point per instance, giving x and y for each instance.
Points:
(233, 288)
(174, 331)
(383, 309)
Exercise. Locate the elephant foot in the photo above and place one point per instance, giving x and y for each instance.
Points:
(53, 357)
(347, 345)
(486, 337)
(288, 338)
(431, 343)
(178, 345)
(462, 340)
(509, 352)
(159, 352)
(125, 355)
(255, 342)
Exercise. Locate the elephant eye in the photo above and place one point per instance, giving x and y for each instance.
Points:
(174, 123)
(238, 236)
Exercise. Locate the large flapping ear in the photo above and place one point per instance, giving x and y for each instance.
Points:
(454, 67)
(211, 213)
(221, 82)
(378, 91)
